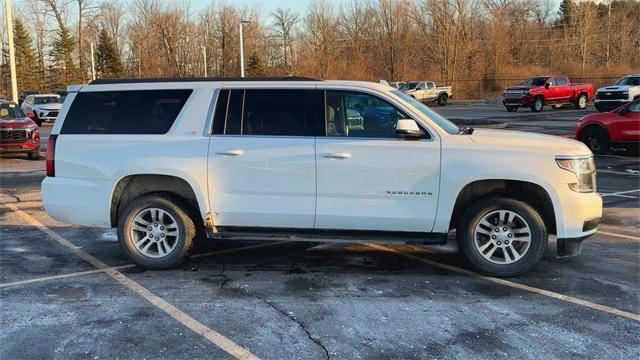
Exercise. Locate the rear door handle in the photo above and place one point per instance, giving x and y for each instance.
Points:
(230, 152)
(337, 155)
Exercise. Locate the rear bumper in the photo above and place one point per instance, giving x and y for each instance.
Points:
(78, 201)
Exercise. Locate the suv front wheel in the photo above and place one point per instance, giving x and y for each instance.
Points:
(501, 236)
(156, 231)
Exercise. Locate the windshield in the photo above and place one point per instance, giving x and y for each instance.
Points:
(39, 100)
(535, 81)
(445, 124)
(10, 111)
(629, 80)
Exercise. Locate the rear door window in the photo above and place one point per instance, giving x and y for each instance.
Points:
(124, 112)
(273, 112)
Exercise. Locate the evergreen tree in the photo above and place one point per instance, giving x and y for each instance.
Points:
(108, 62)
(254, 67)
(27, 69)
(566, 11)
(64, 68)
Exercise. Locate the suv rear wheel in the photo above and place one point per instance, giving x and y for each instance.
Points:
(156, 231)
(501, 236)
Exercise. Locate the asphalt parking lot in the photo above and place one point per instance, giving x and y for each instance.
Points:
(68, 292)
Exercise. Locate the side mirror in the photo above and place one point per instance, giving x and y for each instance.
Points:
(408, 129)
(31, 115)
(623, 111)
(547, 85)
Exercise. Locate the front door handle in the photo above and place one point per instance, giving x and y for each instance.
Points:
(337, 155)
(230, 152)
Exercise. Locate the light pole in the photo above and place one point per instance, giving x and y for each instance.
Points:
(204, 57)
(242, 22)
(93, 64)
(12, 51)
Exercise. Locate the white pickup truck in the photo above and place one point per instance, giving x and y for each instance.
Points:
(427, 91)
(623, 91)
(172, 161)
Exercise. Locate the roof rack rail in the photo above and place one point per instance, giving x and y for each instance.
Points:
(157, 80)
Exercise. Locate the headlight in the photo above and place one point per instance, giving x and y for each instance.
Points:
(585, 170)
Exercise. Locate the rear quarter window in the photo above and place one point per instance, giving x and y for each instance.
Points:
(124, 112)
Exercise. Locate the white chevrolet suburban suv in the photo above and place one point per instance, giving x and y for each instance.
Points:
(172, 161)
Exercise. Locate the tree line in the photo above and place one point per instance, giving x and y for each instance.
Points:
(450, 41)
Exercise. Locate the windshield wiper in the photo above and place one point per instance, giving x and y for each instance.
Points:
(465, 130)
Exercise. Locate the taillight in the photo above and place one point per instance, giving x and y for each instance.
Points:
(51, 155)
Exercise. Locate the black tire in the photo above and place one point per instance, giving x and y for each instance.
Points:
(511, 108)
(186, 227)
(581, 102)
(596, 138)
(34, 155)
(442, 99)
(538, 104)
(466, 237)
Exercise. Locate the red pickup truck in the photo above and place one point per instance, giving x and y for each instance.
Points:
(18, 133)
(554, 90)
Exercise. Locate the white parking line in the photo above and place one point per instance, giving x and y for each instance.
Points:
(512, 284)
(213, 336)
(98, 271)
(623, 236)
(618, 172)
(619, 193)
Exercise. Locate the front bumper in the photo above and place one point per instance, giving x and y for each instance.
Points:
(524, 101)
(19, 147)
(608, 105)
(568, 247)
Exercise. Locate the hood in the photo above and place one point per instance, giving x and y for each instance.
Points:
(52, 106)
(17, 123)
(615, 88)
(520, 87)
(532, 142)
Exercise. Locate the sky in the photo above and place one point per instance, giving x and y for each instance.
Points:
(266, 6)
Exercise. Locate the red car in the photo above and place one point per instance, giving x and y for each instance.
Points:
(619, 127)
(18, 133)
(554, 90)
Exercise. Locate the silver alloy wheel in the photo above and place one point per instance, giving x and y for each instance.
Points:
(582, 102)
(154, 232)
(538, 104)
(502, 237)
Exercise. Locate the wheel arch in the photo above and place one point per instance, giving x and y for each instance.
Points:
(132, 186)
(592, 125)
(533, 194)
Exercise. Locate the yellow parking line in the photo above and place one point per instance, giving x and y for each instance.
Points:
(213, 336)
(514, 285)
(98, 271)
